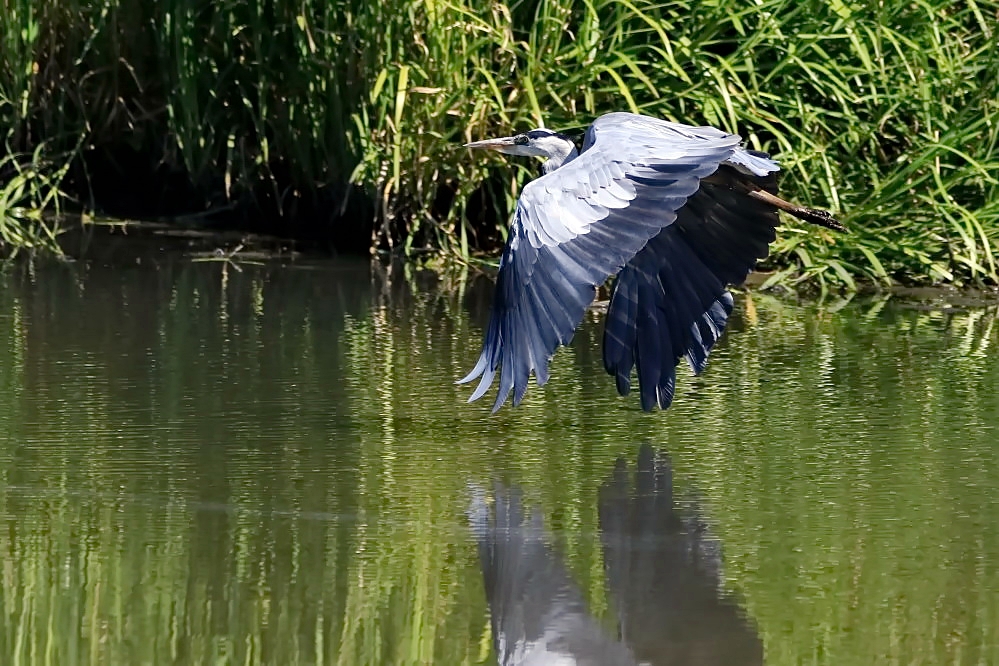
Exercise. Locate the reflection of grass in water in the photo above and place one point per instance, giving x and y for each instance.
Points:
(128, 541)
(276, 482)
(854, 496)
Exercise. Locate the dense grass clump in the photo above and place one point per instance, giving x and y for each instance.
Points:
(319, 117)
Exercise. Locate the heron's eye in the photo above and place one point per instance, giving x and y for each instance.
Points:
(521, 140)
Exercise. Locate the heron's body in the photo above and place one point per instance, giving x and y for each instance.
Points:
(677, 213)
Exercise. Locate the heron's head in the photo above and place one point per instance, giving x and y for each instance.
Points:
(557, 149)
(535, 143)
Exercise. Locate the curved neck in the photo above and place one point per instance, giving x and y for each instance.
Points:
(566, 152)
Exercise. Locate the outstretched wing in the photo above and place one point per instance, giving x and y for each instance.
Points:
(580, 224)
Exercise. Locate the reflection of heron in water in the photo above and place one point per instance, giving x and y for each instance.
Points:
(537, 612)
(662, 574)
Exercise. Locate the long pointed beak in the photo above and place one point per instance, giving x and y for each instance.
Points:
(493, 144)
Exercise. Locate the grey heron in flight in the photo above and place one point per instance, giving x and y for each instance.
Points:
(676, 212)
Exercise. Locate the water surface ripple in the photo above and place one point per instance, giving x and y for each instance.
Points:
(208, 463)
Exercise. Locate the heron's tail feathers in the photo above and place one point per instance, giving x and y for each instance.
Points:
(822, 218)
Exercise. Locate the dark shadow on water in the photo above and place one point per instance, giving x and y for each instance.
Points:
(662, 571)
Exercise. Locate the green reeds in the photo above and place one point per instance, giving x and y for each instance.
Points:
(886, 114)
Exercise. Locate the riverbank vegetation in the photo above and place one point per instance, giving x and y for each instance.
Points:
(342, 122)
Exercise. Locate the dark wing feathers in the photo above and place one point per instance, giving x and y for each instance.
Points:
(615, 206)
(670, 301)
(656, 316)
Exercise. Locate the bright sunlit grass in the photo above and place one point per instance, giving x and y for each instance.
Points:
(885, 114)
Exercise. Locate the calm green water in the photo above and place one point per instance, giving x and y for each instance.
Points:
(205, 465)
